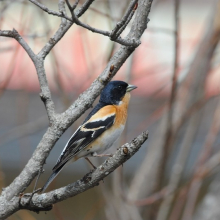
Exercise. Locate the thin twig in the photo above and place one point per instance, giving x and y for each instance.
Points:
(124, 26)
(84, 7)
(132, 43)
(119, 40)
(45, 92)
(75, 5)
(62, 9)
(62, 30)
(14, 34)
(49, 11)
(120, 26)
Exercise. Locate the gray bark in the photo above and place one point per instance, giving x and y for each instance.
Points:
(9, 199)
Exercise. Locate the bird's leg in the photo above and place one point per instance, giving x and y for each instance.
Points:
(102, 155)
(38, 176)
(94, 167)
(35, 185)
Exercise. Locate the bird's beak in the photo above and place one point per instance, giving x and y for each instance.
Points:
(130, 88)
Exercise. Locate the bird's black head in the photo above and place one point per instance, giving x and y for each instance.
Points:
(114, 92)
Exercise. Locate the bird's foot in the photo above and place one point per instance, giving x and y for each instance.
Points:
(32, 194)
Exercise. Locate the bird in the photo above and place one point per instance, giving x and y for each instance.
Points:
(100, 130)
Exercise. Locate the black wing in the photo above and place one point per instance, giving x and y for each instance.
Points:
(83, 136)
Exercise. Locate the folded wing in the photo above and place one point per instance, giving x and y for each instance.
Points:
(87, 133)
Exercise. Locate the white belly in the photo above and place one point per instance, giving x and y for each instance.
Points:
(105, 141)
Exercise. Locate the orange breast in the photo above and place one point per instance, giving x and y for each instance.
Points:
(121, 115)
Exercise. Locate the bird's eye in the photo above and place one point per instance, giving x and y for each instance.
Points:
(120, 87)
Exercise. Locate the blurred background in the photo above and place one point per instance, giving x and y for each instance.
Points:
(175, 175)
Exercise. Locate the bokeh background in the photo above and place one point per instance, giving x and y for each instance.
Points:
(176, 172)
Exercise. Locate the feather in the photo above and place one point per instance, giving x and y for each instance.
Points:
(52, 177)
(85, 135)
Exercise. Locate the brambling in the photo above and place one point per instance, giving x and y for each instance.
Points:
(101, 128)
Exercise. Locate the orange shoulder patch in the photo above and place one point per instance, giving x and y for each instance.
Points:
(104, 112)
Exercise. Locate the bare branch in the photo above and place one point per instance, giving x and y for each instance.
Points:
(44, 201)
(60, 122)
(125, 25)
(62, 9)
(51, 12)
(72, 8)
(120, 26)
(53, 133)
(75, 4)
(62, 30)
(128, 42)
(14, 34)
(39, 65)
(84, 7)
(115, 37)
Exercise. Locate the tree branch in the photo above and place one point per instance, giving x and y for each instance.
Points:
(120, 26)
(14, 34)
(84, 7)
(60, 122)
(62, 30)
(64, 120)
(49, 11)
(114, 36)
(62, 9)
(39, 65)
(44, 202)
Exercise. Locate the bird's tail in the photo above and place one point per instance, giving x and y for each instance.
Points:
(52, 177)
